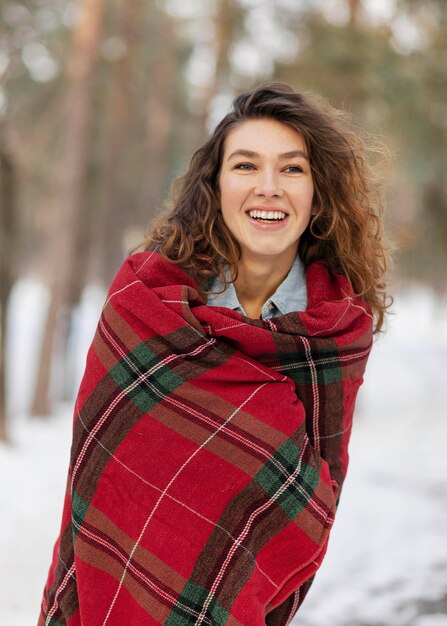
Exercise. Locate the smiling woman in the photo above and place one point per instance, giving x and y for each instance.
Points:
(266, 196)
(276, 146)
(212, 423)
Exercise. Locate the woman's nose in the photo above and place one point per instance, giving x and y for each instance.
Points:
(268, 184)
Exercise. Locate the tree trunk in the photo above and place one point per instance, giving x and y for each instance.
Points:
(227, 20)
(354, 8)
(435, 201)
(159, 115)
(8, 244)
(115, 212)
(68, 194)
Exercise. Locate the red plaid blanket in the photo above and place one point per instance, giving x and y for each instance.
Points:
(208, 454)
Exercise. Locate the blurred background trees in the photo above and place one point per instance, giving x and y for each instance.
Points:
(102, 103)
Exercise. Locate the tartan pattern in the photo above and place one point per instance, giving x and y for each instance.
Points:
(296, 492)
(189, 606)
(208, 454)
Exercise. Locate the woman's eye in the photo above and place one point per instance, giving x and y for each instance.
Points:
(243, 166)
(294, 169)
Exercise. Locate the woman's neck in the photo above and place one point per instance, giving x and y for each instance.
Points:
(257, 281)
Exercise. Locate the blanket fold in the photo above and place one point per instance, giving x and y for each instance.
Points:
(208, 454)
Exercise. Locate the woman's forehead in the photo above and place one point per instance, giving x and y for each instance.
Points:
(264, 136)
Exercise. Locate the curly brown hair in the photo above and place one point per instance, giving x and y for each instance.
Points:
(346, 229)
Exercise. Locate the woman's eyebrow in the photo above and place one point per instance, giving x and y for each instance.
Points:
(255, 155)
(246, 153)
(294, 153)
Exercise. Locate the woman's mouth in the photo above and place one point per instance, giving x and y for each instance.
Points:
(267, 217)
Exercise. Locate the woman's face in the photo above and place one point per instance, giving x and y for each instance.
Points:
(266, 189)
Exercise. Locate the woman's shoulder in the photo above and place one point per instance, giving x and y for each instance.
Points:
(151, 268)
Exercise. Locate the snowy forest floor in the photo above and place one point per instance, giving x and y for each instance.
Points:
(387, 560)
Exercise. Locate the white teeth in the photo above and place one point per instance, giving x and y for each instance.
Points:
(267, 215)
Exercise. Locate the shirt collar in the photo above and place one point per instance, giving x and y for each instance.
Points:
(228, 298)
(290, 296)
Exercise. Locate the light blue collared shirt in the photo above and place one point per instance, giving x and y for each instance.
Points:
(290, 296)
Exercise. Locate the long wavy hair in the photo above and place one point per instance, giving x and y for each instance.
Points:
(346, 230)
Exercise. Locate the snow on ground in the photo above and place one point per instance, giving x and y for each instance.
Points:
(387, 560)
(33, 470)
